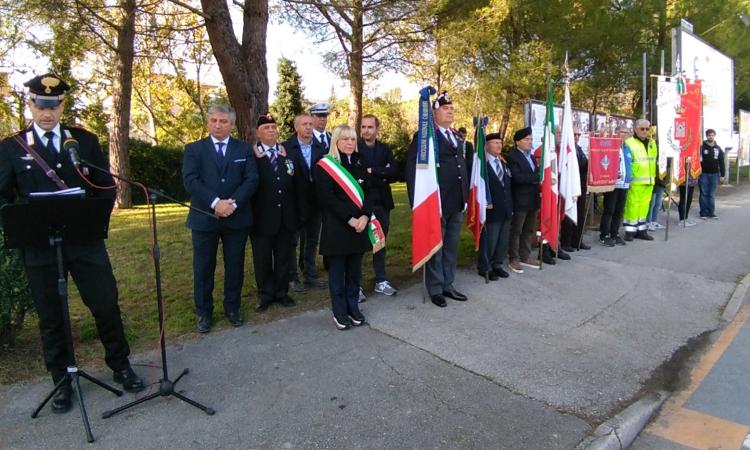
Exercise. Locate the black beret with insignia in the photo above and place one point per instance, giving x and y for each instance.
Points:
(442, 99)
(265, 120)
(522, 133)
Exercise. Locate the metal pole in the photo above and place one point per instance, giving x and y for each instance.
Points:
(645, 72)
(670, 162)
(685, 197)
(661, 70)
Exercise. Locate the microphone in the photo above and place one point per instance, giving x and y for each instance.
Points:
(71, 146)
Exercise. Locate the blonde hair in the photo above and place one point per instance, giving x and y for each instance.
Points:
(341, 131)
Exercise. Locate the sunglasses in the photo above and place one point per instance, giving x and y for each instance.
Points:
(643, 128)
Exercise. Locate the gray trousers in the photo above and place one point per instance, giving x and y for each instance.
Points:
(522, 229)
(493, 245)
(440, 270)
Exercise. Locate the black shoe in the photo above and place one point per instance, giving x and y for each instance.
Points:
(584, 247)
(488, 275)
(234, 318)
(628, 237)
(644, 236)
(63, 399)
(286, 301)
(262, 306)
(500, 272)
(357, 318)
(128, 379)
(566, 248)
(342, 324)
(439, 300)
(618, 241)
(451, 292)
(562, 255)
(204, 324)
(548, 259)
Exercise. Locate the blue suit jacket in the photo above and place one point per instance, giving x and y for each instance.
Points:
(205, 180)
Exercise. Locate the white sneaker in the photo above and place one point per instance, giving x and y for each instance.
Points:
(385, 288)
(657, 226)
(362, 297)
(687, 223)
(650, 226)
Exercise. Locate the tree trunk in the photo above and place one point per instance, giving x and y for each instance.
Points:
(122, 90)
(356, 83)
(243, 67)
(505, 113)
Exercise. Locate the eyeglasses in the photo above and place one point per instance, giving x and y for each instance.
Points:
(643, 128)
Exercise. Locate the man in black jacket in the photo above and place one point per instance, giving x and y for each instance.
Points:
(88, 263)
(306, 151)
(279, 207)
(712, 167)
(493, 244)
(525, 178)
(454, 194)
(384, 169)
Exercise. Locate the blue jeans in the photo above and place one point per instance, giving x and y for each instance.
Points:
(708, 184)
(655, 206)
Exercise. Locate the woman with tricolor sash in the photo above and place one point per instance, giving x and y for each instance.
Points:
(345, 196)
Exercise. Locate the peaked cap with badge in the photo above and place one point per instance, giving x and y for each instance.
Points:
(47, 91)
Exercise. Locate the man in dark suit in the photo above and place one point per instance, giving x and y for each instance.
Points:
(525, 181)
(319, 112)
(454, 194)
(383, 166)
(278, 207)
(305, 151)
(493, 243)
(88, 264)
(220, 174)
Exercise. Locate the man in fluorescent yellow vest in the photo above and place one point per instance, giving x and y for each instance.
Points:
(643, 169)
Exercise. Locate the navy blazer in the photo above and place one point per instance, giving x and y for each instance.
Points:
(317, 153)
(525, 182)
(501, 194)
(452, 175)
(205, 180)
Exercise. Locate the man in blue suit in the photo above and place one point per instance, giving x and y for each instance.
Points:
(220, 174)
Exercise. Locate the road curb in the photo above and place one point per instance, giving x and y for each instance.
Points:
(621, 430)
(737, 299)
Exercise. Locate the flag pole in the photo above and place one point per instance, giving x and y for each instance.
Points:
(685, 196)
(670, 168)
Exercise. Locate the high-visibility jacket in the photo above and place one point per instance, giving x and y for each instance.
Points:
(643, 164)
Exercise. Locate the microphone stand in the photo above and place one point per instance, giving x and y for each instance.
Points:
(166, 385)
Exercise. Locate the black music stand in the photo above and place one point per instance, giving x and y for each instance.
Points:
(54, 220)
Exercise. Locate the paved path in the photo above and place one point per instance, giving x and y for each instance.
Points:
(534, 361)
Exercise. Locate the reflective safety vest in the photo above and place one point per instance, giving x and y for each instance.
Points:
(643, 165)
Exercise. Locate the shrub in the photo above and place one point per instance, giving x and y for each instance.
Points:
(15, 297)
(158, 167)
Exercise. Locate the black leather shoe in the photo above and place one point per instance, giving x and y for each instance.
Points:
(357, 319)
(628, 237)
(566, 248)
(439, 300)
(262, 306)
(451, 292)
(286, 301)
(488, 275)
(562, 255)
(234, 318)
(548, 259)
(644, 236)
(500, 272)
(204, 324)
(63, 399)
(128, 379)
(584, 247)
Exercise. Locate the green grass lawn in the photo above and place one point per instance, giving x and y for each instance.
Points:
(129, 248)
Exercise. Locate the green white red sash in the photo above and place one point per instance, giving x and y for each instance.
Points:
(353, 190)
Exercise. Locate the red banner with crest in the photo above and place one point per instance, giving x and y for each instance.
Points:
(604, 163)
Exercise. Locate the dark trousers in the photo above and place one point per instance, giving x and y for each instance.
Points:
(614, 205)
(378, 258)
(493, 245)
(440, 270)
(307, 236)
(271, 263)
(205, 246)
(685, 201)
(522, 229)
(344, 276)
(92, 274)
(570, 233)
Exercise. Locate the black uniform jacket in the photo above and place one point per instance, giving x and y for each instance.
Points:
(452, 176)
(317, 152)
(377, 158)
(337, 238)
(205, 180)
(280, 203)
(501, 194)
(525, 182)
(20, 175)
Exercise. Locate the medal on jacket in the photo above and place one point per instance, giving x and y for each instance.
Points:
(290, 167)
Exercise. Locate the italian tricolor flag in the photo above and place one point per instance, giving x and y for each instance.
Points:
(427, 234)
(476, 214)
(549, 222)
